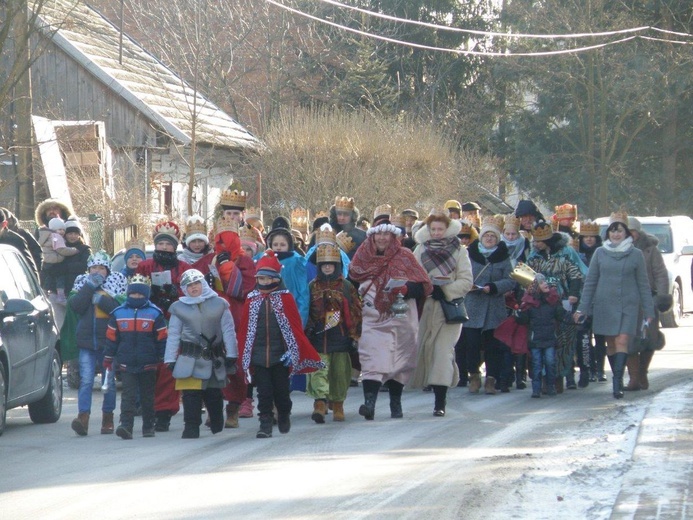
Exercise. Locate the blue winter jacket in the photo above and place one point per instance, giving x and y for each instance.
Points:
(136, 337)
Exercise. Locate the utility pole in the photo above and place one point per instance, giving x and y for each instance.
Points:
(22, 100)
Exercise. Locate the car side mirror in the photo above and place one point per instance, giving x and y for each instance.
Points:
(687, 250)
(17, 307)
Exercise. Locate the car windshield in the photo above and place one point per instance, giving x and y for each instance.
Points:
(663, 234)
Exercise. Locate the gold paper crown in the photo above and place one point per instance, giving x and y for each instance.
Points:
(497, 221)
(619, 216)
(299, 218)
(135, 243)
(325, 235)
(397, 220)
(511, 222)
(253, 214)
(566, 211)
(321, 214)
(226, 224)
(542, 231)
(167, 227)
(138, 278)
(328, 253)
(383, 209)
(523, 274)
(195, 225)
(589, 228)
(246, 233)
(344, 203)
(233, 198)
(345, 242)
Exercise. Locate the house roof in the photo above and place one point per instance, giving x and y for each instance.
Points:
(142, 80)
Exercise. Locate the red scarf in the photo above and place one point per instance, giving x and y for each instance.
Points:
(396, 262)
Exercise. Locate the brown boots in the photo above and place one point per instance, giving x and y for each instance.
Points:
(106, 423)
(638, 365)
(338, 411)
(490, 385)
(232, 415)
(81, 424)
(474, 383)
(633, 364)
(319, 411)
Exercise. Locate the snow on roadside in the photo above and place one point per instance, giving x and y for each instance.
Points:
(584, 470)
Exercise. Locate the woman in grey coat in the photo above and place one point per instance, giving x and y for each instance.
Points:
(615, 290)
(491, 268)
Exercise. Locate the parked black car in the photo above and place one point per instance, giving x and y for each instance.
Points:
(30, 363)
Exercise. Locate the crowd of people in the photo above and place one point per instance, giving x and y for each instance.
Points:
(218, 316)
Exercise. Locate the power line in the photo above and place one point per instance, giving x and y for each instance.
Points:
(453, 51)
(505, 34)
(484, 33)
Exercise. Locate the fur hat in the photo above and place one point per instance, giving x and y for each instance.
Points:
(40, 216)
(634, 224)
(268, 265)
(56, 224)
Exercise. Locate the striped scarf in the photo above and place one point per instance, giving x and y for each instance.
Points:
(440, 254)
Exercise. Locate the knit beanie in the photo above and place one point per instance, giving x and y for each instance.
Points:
(56, 224)
(268, 265)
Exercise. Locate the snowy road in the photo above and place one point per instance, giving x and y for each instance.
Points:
(580, 455)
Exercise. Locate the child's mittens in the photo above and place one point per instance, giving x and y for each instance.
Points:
(108, 363)
(286, 359)
(96, 280)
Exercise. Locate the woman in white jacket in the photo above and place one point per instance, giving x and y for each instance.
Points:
(446, 261)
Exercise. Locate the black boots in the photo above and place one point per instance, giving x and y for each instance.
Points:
(163, 421)
(370, 395)
(265, 430)
(618, 366)
(284, 422)
(395, 389)
(191, 431)
(441, 397)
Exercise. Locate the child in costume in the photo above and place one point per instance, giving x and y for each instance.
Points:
(541, 309)
(201, 346)
(272, 344)
(334, 328)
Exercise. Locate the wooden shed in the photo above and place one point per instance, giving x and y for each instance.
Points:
(144, 110)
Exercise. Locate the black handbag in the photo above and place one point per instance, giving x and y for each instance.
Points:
(454, 311)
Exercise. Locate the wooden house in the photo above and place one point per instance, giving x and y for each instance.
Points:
(136, 112)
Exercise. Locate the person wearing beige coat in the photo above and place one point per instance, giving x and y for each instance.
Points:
(446, 261)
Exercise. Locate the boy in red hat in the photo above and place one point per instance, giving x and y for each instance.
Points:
(272, 345)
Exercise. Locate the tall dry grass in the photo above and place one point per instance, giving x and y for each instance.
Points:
(315, 155)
